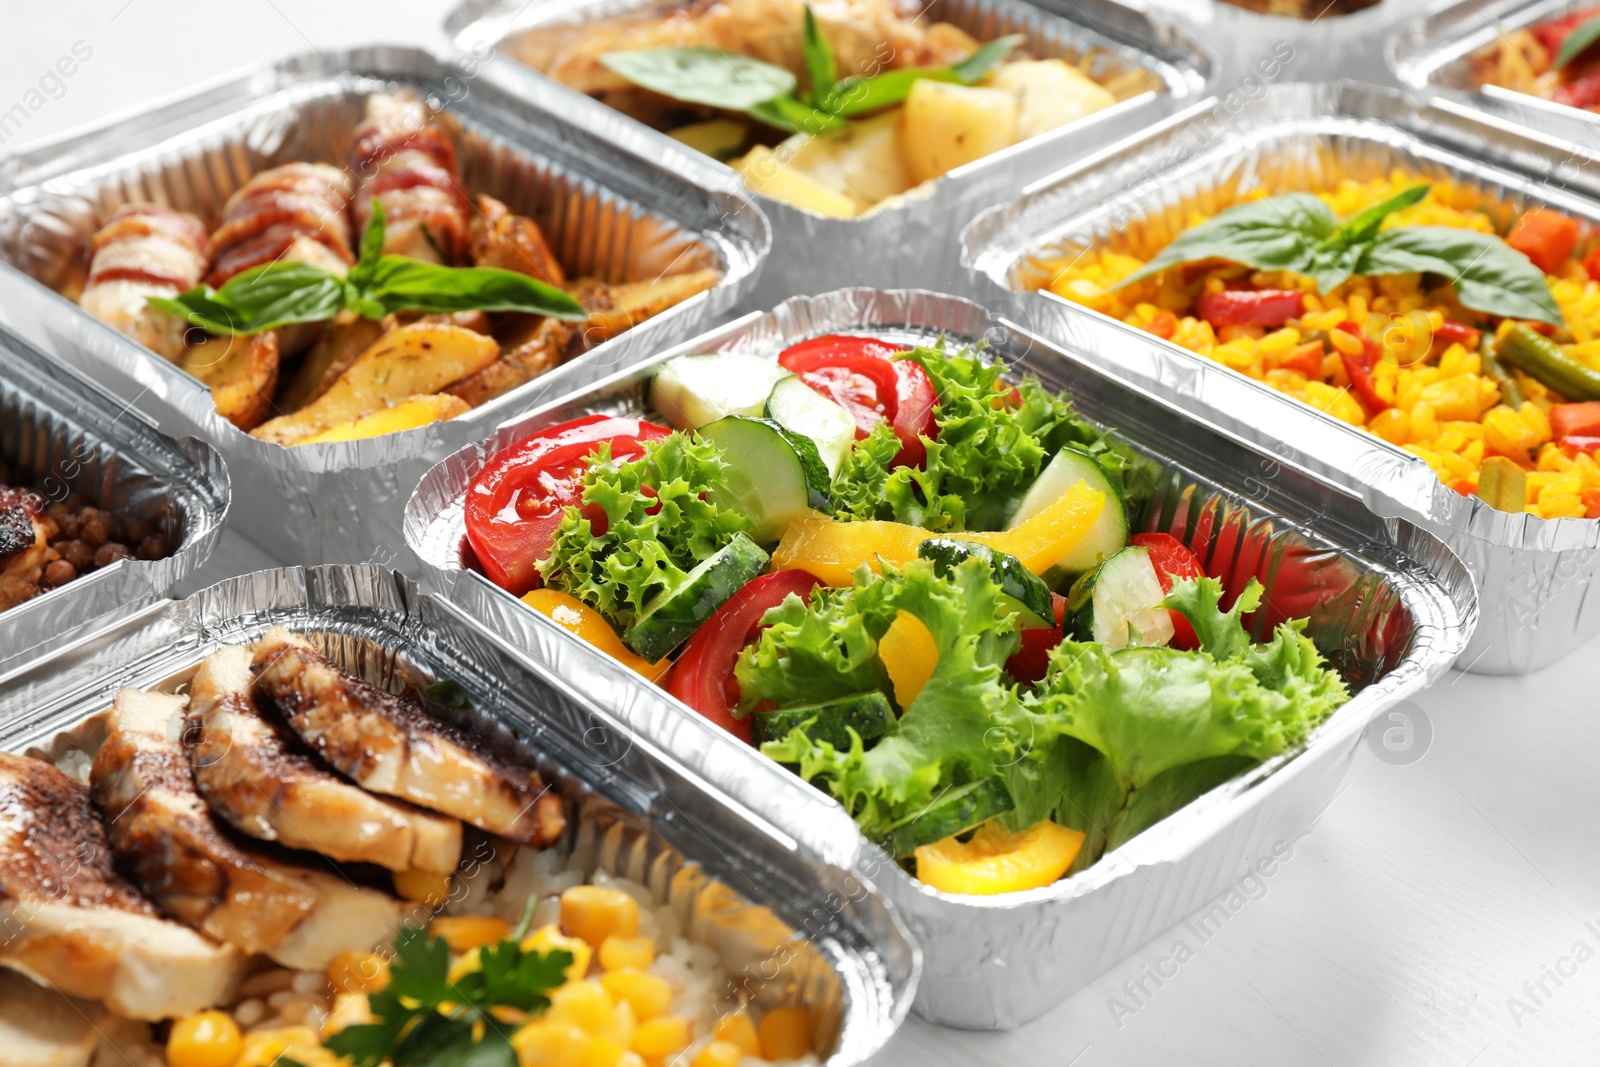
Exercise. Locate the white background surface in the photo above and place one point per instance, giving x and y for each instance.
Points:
(1395, 934)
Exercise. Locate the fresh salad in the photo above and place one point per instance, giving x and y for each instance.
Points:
(1553, 59)
(917, 581)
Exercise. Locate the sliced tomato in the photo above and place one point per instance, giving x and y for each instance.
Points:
(515, 504)
(1029, 662)
(1172, 560)
(703, 676)
(862, 376)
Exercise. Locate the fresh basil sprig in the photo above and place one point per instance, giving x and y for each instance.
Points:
(1577, 42)
(1297, 232)
(282, 293)
(768, 93)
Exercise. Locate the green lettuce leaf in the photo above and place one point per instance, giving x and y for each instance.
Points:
(1221, 633)
(653, 539)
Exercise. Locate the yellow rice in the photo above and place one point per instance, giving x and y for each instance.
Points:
(1445, 410)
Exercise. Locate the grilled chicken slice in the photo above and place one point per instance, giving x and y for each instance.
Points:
(70, 921)
(41, 1028)
(198, 872)
(145, 250)
(255, 778)
(23, 546)
(390, 745)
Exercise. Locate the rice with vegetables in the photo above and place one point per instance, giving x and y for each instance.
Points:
(1399, 354)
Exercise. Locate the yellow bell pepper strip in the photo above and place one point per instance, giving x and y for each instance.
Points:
(996, 860)
(910, 655)
(833, 550)
(576, 617)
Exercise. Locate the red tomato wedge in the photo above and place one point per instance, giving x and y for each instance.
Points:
(1172, 559)
(703, 675)
(862, 376)
(515, 504)
(1029, 662)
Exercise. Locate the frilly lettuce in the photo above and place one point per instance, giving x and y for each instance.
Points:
(653, 539)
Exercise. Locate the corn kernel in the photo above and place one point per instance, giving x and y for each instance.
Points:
(358, 972)
(649, 994)
(1392, 425)
(785, 1034)
(718, 1054)
(209, 1039)
(1453, 398)
(553, 1043)
(620, 953)
(594, 913)
(736, 1028)
(550, 939)
(1346, 342)
(585, 1004)
(467, 932)
(662, 1037)
(430, 889)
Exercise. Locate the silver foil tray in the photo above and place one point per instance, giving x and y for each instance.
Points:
(1432, 53)
(61, 434)
(1533, 574)
(1254, 49)
(1388, 603)
(912, 242)
(606, 213)
(789, 929)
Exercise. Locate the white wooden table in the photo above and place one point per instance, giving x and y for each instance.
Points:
(1441, 911)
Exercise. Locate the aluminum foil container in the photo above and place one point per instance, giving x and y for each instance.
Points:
(1387, 602)
(1325, 48)
(1533, 574)
(1432, 53)
(61, 434)
(788, 929)
(910, 241)
(606, 213)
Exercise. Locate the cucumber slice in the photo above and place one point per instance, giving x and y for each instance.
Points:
(1110, 531)
(774, 475)
(673, 615)
(1024, 591)
(955, 812)
(1119, 603)
(691, 391)
(869, 714)
(798, 407)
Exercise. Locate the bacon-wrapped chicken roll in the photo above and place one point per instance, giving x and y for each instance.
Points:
(297, 212)
(405, 157)
(145, 250)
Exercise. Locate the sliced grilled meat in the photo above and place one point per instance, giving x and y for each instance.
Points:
(24, 546)
(405, 156)
(69, 920)
(256, 778)
(40, 1027)
(298, 212)
(145, 250)
(391, 745)
(232, 890)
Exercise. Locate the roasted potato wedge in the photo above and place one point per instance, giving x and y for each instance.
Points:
(242, 373)
(341, 345)
(615, 308)
(522, 360)
(512, 242)
(412, 360)
(406, 414)
(948, 125)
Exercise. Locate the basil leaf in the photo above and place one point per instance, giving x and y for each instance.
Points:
(261, 298)
(1488, 274)
(787, 113)
(1362, 227)
(986, 58)
(703, 76)
(820, 63)
(371, 247)
(1280, 233)
(402, 284)
(856, 95)
(1578, 42)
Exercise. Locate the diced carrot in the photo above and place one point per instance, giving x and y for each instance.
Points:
(1575, 420)
(1163, 324)
(1306, 359)
(1546, 237)
(1591, 503)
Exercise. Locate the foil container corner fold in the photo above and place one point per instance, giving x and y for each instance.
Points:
(607, 213)
(61, 434)
(787, 927)
(1390, 606)
(1534, 575)
(1432, 52)
(908, 240)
